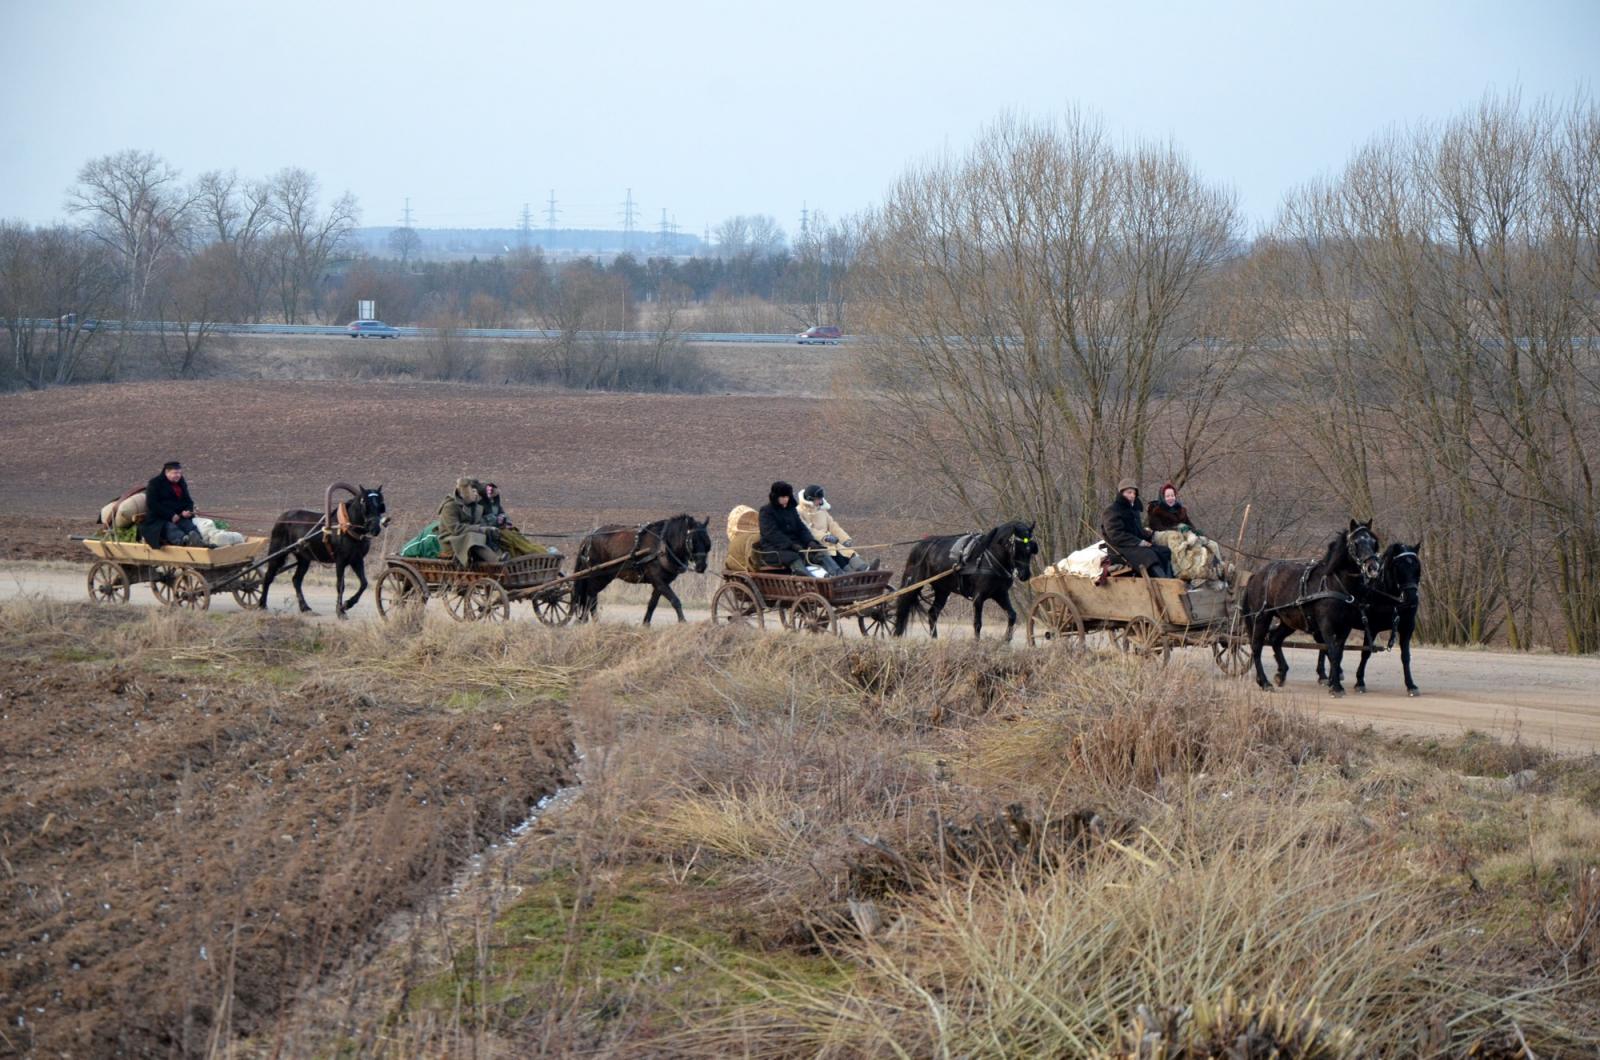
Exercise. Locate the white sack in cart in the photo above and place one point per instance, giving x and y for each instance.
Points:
(1084, 563)
(212, 535)
(121, 514)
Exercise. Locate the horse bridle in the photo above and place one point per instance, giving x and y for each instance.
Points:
(683, 562)
(1009, 570)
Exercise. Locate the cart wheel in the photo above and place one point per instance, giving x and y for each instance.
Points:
(400, 592)
(108, 583)
(1054, 620)
(190, 591)
(1231, 654)
(162, 579)
(736, 604)
(247, 588)
(554, 608)
(485, 600)
(813, 614)
(875, 623)
(455, 599)
(1144, 638)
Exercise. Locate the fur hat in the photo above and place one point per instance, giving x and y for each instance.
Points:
(1127, 484)
(464, 483)
(780, 489)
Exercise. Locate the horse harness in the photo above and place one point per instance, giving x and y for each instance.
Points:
(1396, 603)
(346, 527)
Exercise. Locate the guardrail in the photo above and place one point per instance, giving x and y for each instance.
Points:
(471, 333)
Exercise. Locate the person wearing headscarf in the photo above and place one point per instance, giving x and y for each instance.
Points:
(1195, 557)
(817, 514)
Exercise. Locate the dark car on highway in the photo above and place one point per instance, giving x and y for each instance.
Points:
(371, 329)
(822, 335)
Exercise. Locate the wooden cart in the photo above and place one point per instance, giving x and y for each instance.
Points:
(812, 605)
(178, 576)
(480, 592)
(1139, 614)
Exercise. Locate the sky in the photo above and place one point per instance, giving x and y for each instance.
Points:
(706, 110)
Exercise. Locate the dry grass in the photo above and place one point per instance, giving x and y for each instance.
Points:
(799, 846)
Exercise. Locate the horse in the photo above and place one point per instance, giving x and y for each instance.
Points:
(341, 537)
(1315, 596)
(984, 565)
(668, 546)
(1388, 602)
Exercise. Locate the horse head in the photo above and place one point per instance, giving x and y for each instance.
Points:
(1401, 574)
(1024, 546)
(1361, 546)
(699, 542)
(375, 514)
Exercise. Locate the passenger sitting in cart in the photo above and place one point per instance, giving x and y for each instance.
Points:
(1127, 537)
(1195, 557)
(169, 512)
(817, 514)
(512, 540)
(786, 542)
(463, 534)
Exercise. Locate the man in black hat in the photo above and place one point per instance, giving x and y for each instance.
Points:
(785, 541)
(169, 510)
(1127, 536)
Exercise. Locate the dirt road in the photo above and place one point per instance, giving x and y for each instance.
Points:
(1544, 700)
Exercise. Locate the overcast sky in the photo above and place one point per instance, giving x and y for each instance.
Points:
(712, 109)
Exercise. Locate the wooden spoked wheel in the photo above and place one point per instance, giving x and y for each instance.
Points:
(400, 591)
(190, 591)
(1145, 639)
(875, 623)
(485, 600)
(813, 614)
(162, 579)
(554, 608)
(1231, 654)
(736, 604)
(247, 588)
(108, 583)
(1053, 619)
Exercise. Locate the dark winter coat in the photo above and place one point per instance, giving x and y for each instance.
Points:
(163, 500)
(493, 512)
(461, 528)
(784, 537)
(1119, 525)
(1163, 518)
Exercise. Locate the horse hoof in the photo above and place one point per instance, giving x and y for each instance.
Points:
(1336, 693)
(1279, 680)
(1413, 692)
(1322, 680)
(1263, 686)
(1362, 689)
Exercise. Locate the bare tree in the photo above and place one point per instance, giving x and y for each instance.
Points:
(55, 284)
(404, 242)
(1038, 308)
(306, 239)
(237, 214)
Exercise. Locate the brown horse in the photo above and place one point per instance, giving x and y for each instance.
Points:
(1314, 596)
(318, 537)
(652, 554)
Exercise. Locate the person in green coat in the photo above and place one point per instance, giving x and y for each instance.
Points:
(463, 533)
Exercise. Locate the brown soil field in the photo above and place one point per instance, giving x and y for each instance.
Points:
(564, 461)
(180, 843)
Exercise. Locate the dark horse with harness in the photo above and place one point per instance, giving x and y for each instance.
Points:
(339, 534)
(1389, 602)
(979, 566)
(652, 554)
(1314, 596)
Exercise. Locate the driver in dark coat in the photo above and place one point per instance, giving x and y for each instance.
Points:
(169, 510)
(1122, 530)
(785, 540)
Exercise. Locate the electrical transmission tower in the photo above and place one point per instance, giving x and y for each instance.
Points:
(628, 209)
(405, 216)
(550, 212)
(526, 220)
(805, 221)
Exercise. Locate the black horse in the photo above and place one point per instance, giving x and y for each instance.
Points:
(1315, 596)
(985, 565)
(667, 548)
(1388, 602)
(343, 537)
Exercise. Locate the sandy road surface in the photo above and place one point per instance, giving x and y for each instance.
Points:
(1545, 700)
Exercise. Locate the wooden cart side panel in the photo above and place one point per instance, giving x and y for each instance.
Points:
(248, 551)
(524, 572)
(838, 590)
(1124, 599)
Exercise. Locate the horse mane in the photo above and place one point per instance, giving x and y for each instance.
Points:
(1330, 555)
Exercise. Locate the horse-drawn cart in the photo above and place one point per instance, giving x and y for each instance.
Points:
(1139, 614)
(802, 603)
(480, 592)
(177, 575)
